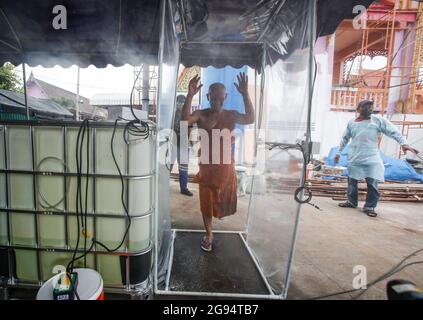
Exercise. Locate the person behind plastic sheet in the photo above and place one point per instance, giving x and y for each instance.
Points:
(181, 151)
(217, 179)
(364, 161)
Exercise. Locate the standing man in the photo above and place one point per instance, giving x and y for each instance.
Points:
(217, 177)
(364, 161)
(182, 161)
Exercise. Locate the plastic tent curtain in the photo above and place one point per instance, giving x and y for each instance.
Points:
(274, 212)
(168, 73)
(234, 100)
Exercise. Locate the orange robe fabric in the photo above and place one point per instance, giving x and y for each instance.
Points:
(218, 181)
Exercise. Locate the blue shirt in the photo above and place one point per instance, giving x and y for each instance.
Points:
(364, 159)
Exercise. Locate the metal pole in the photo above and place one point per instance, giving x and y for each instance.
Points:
(77, 96)
(25, 93)
(257, 265)
(218, 294)
(145, 87)
(312, 34)
(156, 249)
(182, 14)
(169, 269)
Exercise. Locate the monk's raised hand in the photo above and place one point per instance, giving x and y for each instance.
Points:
(194, 86)
(242, 85)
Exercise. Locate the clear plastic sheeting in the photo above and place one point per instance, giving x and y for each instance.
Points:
(222, 30)
(273, 215)
(168, 73)
(285, 99)
(282, 127)
(274, 212)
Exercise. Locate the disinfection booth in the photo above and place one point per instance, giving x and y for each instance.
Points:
(53, 173)
(276, 39)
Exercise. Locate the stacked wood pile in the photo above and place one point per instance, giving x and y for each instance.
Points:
(336, 188)
(389, 190)
(175, 177)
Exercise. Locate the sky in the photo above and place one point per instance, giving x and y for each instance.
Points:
(368, 63)
(115, 79)
(92, 80)
(112, 79)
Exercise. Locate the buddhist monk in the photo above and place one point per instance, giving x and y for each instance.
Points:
(217, 176)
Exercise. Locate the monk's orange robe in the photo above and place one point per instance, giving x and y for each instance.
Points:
(218, 181)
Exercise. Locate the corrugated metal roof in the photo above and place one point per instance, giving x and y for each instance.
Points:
(53, 91)
(44, 106)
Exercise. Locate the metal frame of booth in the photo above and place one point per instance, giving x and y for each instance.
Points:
(253, 259)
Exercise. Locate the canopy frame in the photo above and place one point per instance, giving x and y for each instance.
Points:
(271, 295)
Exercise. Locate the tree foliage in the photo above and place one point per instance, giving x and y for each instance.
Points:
(10, 79)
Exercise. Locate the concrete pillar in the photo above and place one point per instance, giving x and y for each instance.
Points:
(396, 70)
(408, 51)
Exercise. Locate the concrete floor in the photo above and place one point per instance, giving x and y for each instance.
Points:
(331, 242)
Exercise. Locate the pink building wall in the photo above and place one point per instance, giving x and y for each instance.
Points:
(33, 90)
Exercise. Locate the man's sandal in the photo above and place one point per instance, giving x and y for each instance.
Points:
(206, 245)
(346, 204)
(371, 213)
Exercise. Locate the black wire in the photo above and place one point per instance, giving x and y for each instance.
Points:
(84, 254)
(141, 131)
(78, 201)
(73, 286)
(86, 195)
(401, 47)
(122, 196)
(70, 265)
(94, 241)
(131, 129)
(80, 209)
(391, 272)
(388, 274)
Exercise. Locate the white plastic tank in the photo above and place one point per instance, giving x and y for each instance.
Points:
(53, 195)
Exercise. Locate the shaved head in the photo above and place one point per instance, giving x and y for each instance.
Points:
(216, 86)
(216, 96)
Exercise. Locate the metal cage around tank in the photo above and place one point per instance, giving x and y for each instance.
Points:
(37, 203)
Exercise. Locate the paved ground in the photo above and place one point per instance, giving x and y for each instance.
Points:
(332, 241)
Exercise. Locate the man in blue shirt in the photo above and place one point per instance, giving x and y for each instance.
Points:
(364, 161)
(181, 154)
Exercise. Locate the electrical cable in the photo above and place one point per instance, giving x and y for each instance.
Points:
(94, 241)
(85, 230)
(122, 197)
(70, 265)
(388, 274)
(141, 131)
(44, 203)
